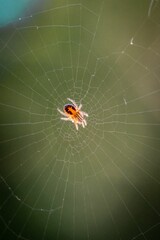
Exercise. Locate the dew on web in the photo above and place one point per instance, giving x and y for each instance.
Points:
(101, 182)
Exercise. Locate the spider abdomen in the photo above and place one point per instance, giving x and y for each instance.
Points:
(70, 109)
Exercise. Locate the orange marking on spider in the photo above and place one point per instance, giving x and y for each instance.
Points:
(73, 113)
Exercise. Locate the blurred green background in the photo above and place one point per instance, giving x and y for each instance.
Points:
(101, 182)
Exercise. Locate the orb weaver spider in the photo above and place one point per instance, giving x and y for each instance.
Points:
(73, 113)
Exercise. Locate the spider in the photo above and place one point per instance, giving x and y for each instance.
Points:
(73, 113)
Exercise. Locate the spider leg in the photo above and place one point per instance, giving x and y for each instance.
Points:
(80, 106)
(61, 112)
(85, 114)
(84, 122)
(66, 119)
(72, 101)
(76, 125)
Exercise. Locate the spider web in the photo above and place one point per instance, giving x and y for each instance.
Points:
(101, 182)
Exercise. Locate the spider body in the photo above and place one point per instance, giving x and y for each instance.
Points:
(73, 113)
(69, 109)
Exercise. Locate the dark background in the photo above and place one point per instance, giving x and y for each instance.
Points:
(101, 182)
